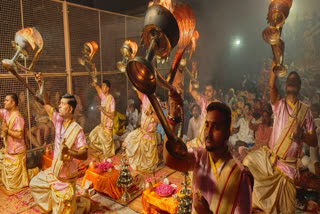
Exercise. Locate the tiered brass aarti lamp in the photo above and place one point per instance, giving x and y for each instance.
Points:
(278, 12)
(124, 180)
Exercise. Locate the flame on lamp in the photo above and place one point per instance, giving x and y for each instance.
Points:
(194, 39)
(164, 3)
(27, 33)
(133, 46)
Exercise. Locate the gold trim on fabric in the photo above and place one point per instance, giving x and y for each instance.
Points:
(51, 113)
(224, 197)
(68, 192)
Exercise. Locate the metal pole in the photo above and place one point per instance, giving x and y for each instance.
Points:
(125, 37)
(21, 12)
(100, 49)
(27, 95)
(67, 46)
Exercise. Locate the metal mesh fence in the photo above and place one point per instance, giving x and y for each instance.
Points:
(10, 22)
(82, 29)
(47, 17)
(112, 29)
(108, 29)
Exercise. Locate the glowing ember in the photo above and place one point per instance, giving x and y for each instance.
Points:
(164, 3)
(93, 48)
(194, 40)
(133, 46)
(27, 33)
(186, 22)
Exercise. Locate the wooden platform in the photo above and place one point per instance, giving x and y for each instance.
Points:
(20, 201)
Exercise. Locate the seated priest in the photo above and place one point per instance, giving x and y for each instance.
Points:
(141, 144)
(101, 137)
(14, 174)
(54, 189)
(219, 183)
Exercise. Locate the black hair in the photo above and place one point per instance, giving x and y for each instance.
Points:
(249, 106)
(222, 108)
(107, 82)
(15, 98)
(297, 76)
(194, 106)
(210, 84)
(71, 101)
(256, 100)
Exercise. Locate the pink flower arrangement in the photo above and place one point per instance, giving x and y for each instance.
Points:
(164, 190)
(105, 166)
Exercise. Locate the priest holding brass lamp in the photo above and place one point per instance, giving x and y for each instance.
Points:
(89, 50)
(278, 12)
(26, 40)
(13, 167)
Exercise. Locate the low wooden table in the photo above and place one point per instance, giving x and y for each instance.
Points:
(152, 203)
(104, 182)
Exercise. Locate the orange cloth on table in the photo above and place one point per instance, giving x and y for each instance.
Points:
(46, 161)
(104, 182)
(152, 203)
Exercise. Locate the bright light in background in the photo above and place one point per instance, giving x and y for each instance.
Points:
(237, 42)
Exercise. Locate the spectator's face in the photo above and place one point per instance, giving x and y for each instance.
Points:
(195, 112)
(265, 118)
(231, 93)
(163, 105)
(240, 104)
(104, 88)
(9, 103)
(246, 110)
(216, 132)
(65, 110)
(257, 106)
(208, 91)
(234, 106)
(22, 97)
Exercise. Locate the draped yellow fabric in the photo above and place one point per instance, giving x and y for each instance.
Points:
(48, 198)
(101, 140)
(227, 188)
(116, 123)
(284, 141)
(142, 153)
(14, 174)
(272, 192)
(101, 137)
(69, 138)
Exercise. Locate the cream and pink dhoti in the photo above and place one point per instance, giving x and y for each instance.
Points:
(274, 168)
(14, 174)
(101, 137)
(141, 144)
(54, 189)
